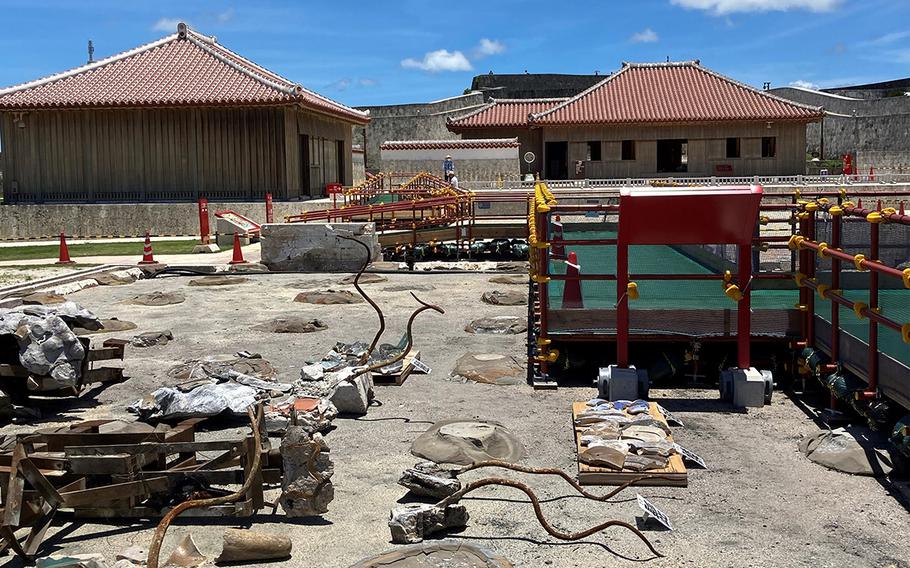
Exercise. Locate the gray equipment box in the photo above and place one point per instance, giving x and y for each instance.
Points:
(619, 383)
(746, 388)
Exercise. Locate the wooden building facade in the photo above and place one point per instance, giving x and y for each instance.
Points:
(173, 120)
(652, 120)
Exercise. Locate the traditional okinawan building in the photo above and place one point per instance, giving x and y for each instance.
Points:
(652, 120)
(176, 119)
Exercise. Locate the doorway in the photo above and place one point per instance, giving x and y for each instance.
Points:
(557, 156)
(304, 148)
(672, 156)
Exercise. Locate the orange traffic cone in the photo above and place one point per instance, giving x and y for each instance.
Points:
(64, 251)
(147, 257)
(558, 250)
(859, 203)
(571, 292)
(238, 254)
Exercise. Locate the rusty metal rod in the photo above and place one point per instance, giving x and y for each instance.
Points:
(366, 262)
(474, 485)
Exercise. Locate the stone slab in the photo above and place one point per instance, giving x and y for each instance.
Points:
(317, 247)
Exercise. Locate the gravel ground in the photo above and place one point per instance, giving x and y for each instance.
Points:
(761, 503)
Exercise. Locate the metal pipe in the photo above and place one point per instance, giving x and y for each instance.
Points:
(543, 288)
(872, 391)
(872, 265)
(810, 270)
(622, 305)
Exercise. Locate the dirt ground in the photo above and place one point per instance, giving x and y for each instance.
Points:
(761, 503)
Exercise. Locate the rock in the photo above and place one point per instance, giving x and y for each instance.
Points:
(219, 364)
(107, 326)
(502, 325)
(490, 368)
(291, 324)
(303, 494)
(152, 338)
(313, 372)
(313, 415)
(328, 297)
(157, 299)
(72, 313)
(186, 555)
(427, 479)
(353, 397)
(510, 279)
(512, 266)
(244, 545)
(206, 249)
(120, 277)
(860, 451)
(43, 299)
(365, 278)
(412, 523)
(505, 298)
(410, 288)
(436, 554)
(136, 555)
(602, 456)
(217, 281)
(47, 347)
(463, 442)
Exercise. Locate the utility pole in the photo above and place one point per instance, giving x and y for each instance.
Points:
(91, 52)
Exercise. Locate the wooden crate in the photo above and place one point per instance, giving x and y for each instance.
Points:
(397, 380)
(674, 475)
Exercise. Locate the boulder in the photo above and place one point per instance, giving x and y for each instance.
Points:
(217, 281)
(510, 279)
(353, 397)
(860, 451)
(505, 298)
(412, 523)
(328, 297)
(43, 299)
(365, 278)
(107, 326)
(464, 441)
(436, 554)
(157, 298)
(291, 324)
(428, 479)
(501, 325)
(512, 266)
(152, 338)
(490, 368)
(317, 247)
(119, 277)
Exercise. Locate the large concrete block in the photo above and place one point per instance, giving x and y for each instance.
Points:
(317, 247)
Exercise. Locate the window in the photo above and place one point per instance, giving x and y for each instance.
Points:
(628, 149)
(732, 147)
(769, 147)
(594, 151)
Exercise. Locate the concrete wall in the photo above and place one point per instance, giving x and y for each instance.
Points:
(358, 165)
(876, 130)
(102, 220)
(466, 170)
(420, 121)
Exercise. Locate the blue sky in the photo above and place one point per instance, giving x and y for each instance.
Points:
(386, 52)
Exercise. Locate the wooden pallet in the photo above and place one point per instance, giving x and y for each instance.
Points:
(674, 475)
(397, 380)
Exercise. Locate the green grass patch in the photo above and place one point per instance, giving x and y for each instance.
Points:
(97, 249)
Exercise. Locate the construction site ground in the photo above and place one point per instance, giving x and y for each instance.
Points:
(760, 503)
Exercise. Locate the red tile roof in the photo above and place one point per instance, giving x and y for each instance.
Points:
(682, 92)
(502, 112)
(182, 69)
(449, 144)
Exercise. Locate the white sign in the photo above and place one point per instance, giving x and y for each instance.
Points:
(669, 417)
(652, 512)
(420, 366)
(691, 457)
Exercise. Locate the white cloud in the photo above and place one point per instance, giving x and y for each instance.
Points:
(167, 25)
(345, 84)
(647, 35)
(886, 39)
(225, 16)
(489, 47)
(804, 85)
(723, 7)
(439, 60)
